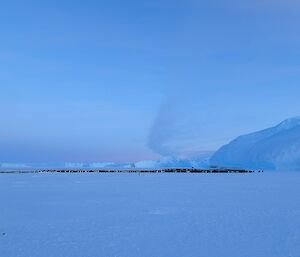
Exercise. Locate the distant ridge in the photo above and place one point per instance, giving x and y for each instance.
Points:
(275, 148)
(164, 162)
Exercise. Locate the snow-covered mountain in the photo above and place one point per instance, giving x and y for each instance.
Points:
(276, 148)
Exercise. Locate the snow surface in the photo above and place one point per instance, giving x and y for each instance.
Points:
(150, 215)
(276, 148)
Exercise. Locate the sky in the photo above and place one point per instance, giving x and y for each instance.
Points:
(128, 80)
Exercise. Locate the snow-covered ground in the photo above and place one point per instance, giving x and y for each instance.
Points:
(150, 215)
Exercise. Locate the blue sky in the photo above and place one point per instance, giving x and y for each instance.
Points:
(132, 80)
